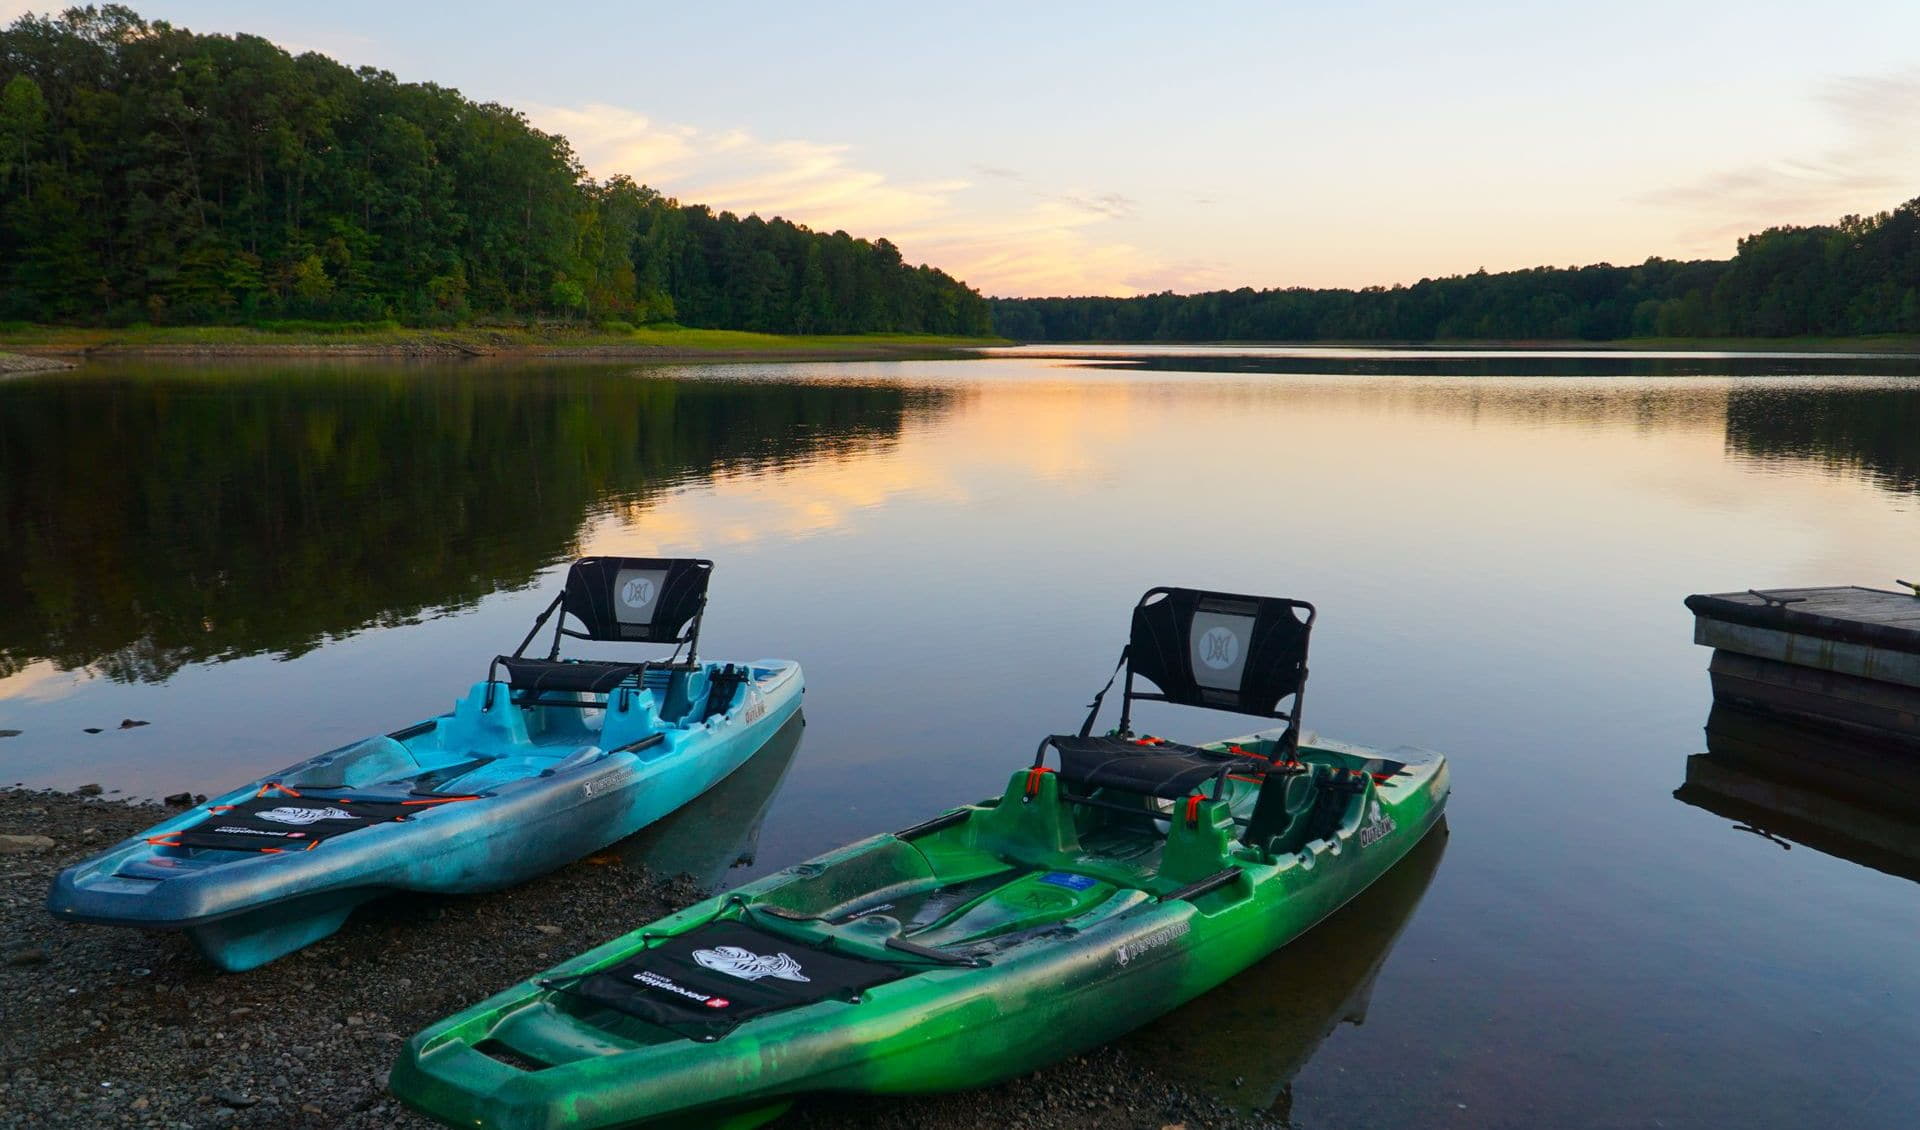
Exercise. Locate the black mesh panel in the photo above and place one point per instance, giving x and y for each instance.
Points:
(1219, 650)
(640, 599)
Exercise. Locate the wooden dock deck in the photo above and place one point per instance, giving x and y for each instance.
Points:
(1836, 656)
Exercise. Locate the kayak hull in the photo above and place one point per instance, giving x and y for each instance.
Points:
(1124, 946)
(531, 791)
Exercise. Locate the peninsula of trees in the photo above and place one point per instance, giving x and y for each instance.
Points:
(152, 175)
(1856, 277)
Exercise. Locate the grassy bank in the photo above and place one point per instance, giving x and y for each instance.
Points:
(673, 342)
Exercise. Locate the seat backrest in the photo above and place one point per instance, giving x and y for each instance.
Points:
(637, 599)
(1223, 651)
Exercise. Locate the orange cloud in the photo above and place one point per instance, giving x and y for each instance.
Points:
(1013, 239)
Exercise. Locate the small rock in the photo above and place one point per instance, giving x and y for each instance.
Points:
(130, 723)
(89, 790)
(180, 800)
(21, 845)
(549, 930)
(32, 955)
(234, 1099)
(140, 1103)
(89, 729)
(309, 1108)
(9, 733)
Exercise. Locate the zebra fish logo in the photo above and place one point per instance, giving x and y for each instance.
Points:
(749, 966)
(292, 814)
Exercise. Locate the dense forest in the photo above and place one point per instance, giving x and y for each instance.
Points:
(152, 175)
(1859, 276)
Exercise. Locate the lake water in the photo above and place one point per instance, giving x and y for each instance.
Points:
(266, 560)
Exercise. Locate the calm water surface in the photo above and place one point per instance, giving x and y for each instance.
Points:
(265, 561)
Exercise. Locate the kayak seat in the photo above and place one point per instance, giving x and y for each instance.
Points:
(652, 600)
(580, 676)
(1217, 651)
(1149, 766)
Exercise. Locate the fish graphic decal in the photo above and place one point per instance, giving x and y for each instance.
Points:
(749, 966)
(293, 814)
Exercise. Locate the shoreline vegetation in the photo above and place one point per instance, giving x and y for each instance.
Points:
(53, 346)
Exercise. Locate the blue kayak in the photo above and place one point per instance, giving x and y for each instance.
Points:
(555, 760)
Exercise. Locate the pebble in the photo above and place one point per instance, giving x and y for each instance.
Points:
(23, 845)
(180, 800)
(9, 733)
(89, 790)
(130, 723)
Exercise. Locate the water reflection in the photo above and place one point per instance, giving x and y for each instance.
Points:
(721, 830)
(1796, 784)
(1870, 431)
(1245, 1041)
(149, 520)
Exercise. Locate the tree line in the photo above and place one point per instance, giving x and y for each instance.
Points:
(1858, 276)
(149, 174)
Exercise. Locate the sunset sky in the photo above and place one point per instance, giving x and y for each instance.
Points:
(1126, 148)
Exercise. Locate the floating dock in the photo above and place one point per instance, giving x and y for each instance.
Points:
(1842, 657)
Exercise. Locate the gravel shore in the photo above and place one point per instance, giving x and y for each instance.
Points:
(20, 363)
(112, 1027)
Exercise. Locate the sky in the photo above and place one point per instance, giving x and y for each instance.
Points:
(1125, 148)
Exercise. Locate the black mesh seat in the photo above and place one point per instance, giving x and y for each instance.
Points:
(1152, 766)
(587, 675)
(1220, 651)
(656, 600)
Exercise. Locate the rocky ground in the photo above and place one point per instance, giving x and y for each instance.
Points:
(110, 1027)
(19, 363)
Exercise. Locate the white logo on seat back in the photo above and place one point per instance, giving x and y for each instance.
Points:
(747, 965)
(637, 592)
(289, 814)
(1219, 647)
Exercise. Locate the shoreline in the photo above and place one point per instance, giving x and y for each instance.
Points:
(37, 347)
(1903, 345)
(116, 1026)
(49, 348)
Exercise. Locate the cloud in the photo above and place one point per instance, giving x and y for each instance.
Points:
(1875, 166)
(1005, 237)
(1109, 204)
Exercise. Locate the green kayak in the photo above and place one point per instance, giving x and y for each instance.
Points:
(986, 942)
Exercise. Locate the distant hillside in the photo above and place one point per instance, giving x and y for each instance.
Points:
(1859, 276)
(148, 174)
